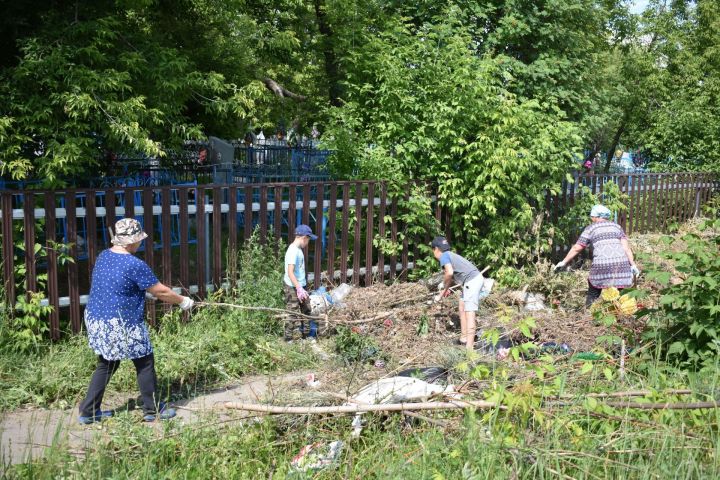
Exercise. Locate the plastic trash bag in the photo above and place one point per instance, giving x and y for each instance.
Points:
(317, 456)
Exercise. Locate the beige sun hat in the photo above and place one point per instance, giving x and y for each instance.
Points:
(127, 232)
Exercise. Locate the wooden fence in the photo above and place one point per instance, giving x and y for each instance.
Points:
(191, 229)
(654, 200)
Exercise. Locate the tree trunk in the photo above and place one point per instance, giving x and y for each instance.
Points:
(613, 145)
(332, 68)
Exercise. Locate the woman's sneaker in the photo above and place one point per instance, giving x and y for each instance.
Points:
(99, 416)
(163, 413)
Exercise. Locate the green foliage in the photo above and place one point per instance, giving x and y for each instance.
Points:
(686, 320)
(25, 329)
(578, 215)
(450, 119)
(25, 326)
(355, 346)
(677, 128)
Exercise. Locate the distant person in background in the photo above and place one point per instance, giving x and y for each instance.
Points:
(115, 323)
(588, 167)
(202, 156)
(613, 264)
(297, 299)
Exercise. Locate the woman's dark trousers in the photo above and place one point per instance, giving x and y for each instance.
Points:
(147, 381)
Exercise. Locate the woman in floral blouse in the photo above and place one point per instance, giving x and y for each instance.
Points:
(613, 264)
(115, 323)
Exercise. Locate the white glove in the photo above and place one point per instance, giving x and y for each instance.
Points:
(635, 270)
(560, 265)
(302, 294)
(187, 303)
(443, 294)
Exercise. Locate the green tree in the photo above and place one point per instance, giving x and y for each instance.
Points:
(422, 106)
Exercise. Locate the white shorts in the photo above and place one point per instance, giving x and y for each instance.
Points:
(475, 290)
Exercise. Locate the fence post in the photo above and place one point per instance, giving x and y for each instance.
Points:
(74, 289)
(52, 274)
(29, 229)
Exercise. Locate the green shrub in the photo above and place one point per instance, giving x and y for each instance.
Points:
(687, 320)
(354, 346)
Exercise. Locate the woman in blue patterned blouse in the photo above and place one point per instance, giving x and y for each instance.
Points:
(115, 323)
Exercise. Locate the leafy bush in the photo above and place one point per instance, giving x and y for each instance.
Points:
(687, 320)
(354, 346)
(452, 119)
(571, 222)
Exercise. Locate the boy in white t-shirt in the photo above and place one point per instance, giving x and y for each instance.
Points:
(294, 282)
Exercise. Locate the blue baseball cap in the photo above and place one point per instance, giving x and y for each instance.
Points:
(441, 243)
(305, 231)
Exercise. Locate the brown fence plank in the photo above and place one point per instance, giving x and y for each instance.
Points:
(660, 207)
(331, 227)
(278, 216)
(645, 211)
(73, 287)
(656, 204)
(317, 258)
(8, 248)
(29, 241)
(306, 206)
(201, 246)
(369, 232)
(110, 212)
(129, 203)
(669, 192)
(248, 216)
(344, 232)
(358, 228)
(677, 198)
(405, 250)
(232, 220)
(52, 268)
(292, 212)
(682, 203)
(381, 228)
(166, 253)
(217, 237)
(91, 233)
(182, 193)
(689, 195)
(708, 180)
(393, 235)
(263, 214)
(623, 185)
(149, 228)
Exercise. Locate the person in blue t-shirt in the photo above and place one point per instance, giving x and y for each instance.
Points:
(461, 271)
(114, 318)
(294, 282)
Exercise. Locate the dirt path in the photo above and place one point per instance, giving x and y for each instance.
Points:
(26, 434)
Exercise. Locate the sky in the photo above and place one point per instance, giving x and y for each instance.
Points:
(637, 6)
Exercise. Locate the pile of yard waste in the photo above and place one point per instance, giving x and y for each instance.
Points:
(399, 326)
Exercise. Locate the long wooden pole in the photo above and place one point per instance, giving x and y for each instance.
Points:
(390, 407)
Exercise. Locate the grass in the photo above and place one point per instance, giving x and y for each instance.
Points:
(534, 437)
(215, 347)
(574, 441)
